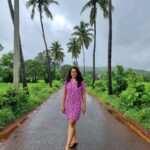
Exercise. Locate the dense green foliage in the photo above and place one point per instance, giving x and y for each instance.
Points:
(131, 95)
(13, 106)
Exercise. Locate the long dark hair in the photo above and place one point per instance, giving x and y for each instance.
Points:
(79, 77)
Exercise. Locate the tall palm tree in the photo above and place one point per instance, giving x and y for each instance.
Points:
(84, 36)
(42, 6)
(93, 4)
(110, 49)
(22, 68)
(75, 49)
(57, 53)
(16, 68)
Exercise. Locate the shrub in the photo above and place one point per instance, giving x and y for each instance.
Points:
(101, 84)
(6, 116)
(9, 99)
(88, 80)
(134, 96)
(56, 84)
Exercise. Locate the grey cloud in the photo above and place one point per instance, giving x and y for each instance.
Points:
(131, 32)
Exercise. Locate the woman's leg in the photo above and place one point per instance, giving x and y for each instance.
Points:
(74, 138)
(71, 129)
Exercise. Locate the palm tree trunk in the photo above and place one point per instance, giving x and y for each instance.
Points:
(83, 63)
(93, 84)
(16, 47)
(47, 55)
(22, 68)
(110, 51)
(77, 62)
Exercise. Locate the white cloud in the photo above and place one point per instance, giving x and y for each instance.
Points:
(61, 23)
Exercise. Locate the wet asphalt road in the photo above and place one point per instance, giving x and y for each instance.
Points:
(46, 129)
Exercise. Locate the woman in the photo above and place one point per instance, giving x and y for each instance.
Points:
(74, 99)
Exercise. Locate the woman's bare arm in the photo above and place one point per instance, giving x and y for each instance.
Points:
(64, 96)
(84, 99)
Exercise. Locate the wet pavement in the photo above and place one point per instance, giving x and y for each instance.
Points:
(46, 129)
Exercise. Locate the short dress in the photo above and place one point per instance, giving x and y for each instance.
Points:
(73, 101)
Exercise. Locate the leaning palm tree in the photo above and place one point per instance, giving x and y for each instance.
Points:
(42, 6)
(84, 36)
(57, 53)
(93, 4)
(22, 67)
(75, 49)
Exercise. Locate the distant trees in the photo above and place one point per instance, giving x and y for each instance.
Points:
(84, 36)
(43, 7)
(74, 49)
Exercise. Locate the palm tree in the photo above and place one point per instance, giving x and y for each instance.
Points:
(93, 4)
(75, 49)
(57, 53)
(110, 50)
(84, 36)
(16, 68)
(23, 75)
(42, 6)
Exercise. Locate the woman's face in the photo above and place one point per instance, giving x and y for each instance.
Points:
(73, 73)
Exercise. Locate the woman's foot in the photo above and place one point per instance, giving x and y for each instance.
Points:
(73, 143)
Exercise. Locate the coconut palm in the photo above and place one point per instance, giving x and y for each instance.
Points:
(42, 6)
(110, 50)
(22, 68)
(84, 36)
(75, 49)
(93, 5)
(16, 68)
(57, 53)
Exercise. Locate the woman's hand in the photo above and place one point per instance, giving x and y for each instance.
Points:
(63, 109)
(83, 110)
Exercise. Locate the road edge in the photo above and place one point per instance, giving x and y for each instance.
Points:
(124, 119)
(6, 132)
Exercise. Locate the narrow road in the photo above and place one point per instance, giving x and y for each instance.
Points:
(46, 129)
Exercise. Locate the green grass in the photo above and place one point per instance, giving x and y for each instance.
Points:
(140, 116)
(14, 106)
(4, 87)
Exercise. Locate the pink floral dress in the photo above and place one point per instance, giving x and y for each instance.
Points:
(73, 101)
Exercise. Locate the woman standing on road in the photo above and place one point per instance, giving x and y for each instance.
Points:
(74, 99)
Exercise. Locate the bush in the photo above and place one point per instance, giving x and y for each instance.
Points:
(12, 100)
(101, 84)
(56, 84)
(14, 105)
(9, 99)
(6, 116)
(134, 96)
(88, 80)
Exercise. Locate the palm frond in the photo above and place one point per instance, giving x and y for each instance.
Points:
(104, 5)
(93, 15)
(86, 6)
(47, 12)
(30, 3)
(42, 6)
(33, 11)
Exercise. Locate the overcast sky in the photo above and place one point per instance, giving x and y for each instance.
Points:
(131, 32)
